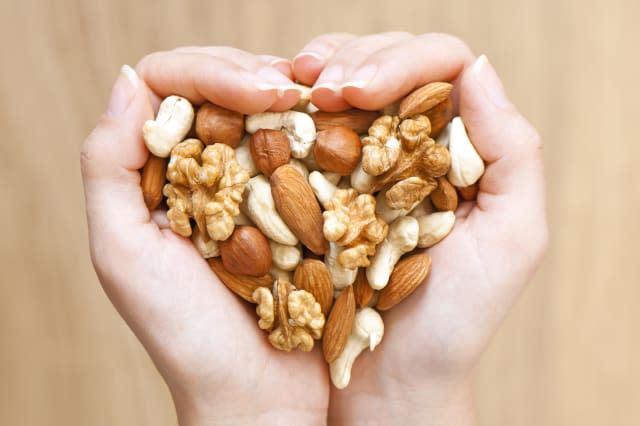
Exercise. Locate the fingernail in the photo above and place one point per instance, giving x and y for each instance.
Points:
(330, 78)
(361, 78)
(488, 79)
(123, 91)
(268, 78)
(309, 54)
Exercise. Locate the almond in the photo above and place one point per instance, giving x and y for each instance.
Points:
(339, 324)
(363, 292)
(444, 197)
(356, 119)
(298, 207)
(408, 274)
(439, 116)
(242, 285)
(270, 149)
(217, 124)
(424, 98)
(246, 252)
(469, 193)
(153, 179)
(313, 276)
(337, 150)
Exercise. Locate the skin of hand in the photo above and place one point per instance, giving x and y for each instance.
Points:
(421, 372)
(205, 342)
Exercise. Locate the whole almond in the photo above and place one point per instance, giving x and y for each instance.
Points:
(363, 292)
(439, 116)
(313, 276)
(242, 285)
(356, 119)
(270, 149)
(469, 193)
(408, 275)
(153, 179)
(339, 324)
(217, 124)
(337, 150)
(246, 252)
(298, 207)
(444, 197)
(424, 98)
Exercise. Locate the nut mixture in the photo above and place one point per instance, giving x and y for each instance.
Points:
(320, 219)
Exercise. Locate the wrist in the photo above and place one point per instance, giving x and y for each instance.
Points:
(441, 403)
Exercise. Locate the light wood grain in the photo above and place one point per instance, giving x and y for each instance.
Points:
(566, 355)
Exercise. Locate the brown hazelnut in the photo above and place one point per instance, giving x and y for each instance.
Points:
(215, 124)
(444, 197)
(270, 149)
(246, 252)
(337, 150)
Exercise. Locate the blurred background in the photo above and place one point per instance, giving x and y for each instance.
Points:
(568, 352)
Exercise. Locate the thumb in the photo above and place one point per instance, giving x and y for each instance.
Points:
(511, 201)
(112, 155)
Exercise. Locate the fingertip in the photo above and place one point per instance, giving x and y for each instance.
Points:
(307, 66)
(329, 98)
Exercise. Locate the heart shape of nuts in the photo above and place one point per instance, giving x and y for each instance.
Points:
(318, 218)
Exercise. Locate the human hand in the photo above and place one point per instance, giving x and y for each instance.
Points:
(432, 340)
(218, 365)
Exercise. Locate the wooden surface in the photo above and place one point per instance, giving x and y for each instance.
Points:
(567, 354)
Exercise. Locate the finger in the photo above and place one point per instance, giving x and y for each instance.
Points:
(233, 81)
(281, 64)
(511, 191)
(112, 155)
(327, 90)
(396, 70)
(308, 64)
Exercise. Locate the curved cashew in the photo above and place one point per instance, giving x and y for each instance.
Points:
(244, 158)
(285, 257)
(341, 277)
(422, 209)
(434, 227)
(259, 206)
(367, 331)
(322, 187)
(170, 127)
(278, 274)
(207, 249)
(362, 181)
(466, 164)
(299, 127)
(401, 239)
(443, 139)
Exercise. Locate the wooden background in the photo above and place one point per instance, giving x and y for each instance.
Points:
(568, 353)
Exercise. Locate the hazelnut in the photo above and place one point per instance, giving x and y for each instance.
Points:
(270, 149)
(246, 252)
(444, 197)
(215, 124)
(337, 150)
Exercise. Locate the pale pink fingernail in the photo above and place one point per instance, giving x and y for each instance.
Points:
(123, 91)
(310, 54)
(488, 79)
(362, 77)
(330, 78)
(268, 78)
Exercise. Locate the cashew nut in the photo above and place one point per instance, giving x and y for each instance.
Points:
(341, 277)
(434, 227)
(367, 331)
(207, 249)
(387, 213)
(443, 139)
(244, 158)
(170, 127)
(362, 181)
(322, 187)
(259, 206)
(466, 164)
(278, 274)
(422, 209)
(299, 127)
(285, 257)
(242, 219)
(300, 167)
(304, 103)
(401, 239)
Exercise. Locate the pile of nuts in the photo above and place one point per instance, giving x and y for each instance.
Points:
(318, 218)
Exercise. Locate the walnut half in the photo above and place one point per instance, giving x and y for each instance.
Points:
(293, 317)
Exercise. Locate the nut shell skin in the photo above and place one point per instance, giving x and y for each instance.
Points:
(313, 276)
(407, 276)
(337, 150)
(215, 124)
(444, 197)
(339, 325)
(246, 252)
(270, 149)
(153, 179)
(242, 285)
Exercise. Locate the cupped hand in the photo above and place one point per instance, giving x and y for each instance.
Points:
(420, 373)
(205, 342)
